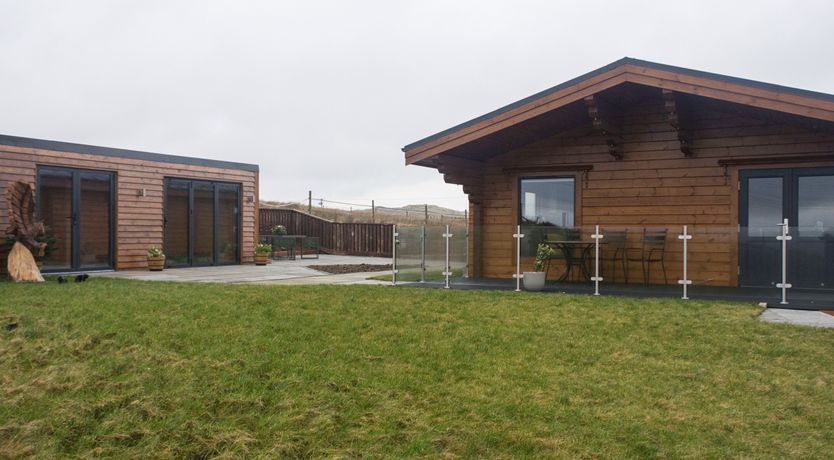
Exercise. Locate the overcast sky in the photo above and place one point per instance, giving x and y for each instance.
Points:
(323, 95)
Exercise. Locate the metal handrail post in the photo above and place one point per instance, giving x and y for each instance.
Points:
(685, 237)
(596, 278)
(784, 238)
(517, 275)
(394, 244)
(448, 270)
(422, 253)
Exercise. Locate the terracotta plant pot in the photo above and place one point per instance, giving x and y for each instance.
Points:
(261, 258)
(156, 264)
(533, 281)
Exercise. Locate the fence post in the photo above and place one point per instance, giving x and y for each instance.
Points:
(685, 237)
(447, 272)
(596, 278)
(784, 238)
(517, 275)
(394, 244)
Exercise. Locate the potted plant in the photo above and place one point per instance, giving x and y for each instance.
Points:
(279, 230)
(262, 252)
(534, 281)
(156, 259)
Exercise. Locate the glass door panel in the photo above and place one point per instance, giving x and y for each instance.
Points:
(203, 224)
(813, 243)
(55, 208)
(762, 209)
(228, 221)
(176, 222)
(94, 220)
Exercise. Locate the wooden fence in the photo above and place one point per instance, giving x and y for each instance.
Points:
(336, 238)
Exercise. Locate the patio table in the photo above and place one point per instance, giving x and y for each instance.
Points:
(297, 243)
(576, 253)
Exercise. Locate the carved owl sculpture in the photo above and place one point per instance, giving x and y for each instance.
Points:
(21, 211)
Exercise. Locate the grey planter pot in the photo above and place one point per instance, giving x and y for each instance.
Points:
(533, 281)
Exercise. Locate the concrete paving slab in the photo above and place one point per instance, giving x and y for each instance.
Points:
(279, 271)
(798, 317)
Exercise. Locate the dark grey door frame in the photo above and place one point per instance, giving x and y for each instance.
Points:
(75, 242)
(215, 186)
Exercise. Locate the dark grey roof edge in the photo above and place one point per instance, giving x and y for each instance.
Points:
(615, 64)
(59, 146)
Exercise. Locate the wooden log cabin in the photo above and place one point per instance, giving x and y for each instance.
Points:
(637, 146)
(103, 207)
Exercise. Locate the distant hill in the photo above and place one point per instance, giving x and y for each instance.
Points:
(409, 214)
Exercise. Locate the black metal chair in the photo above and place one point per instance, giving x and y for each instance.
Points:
(615, 249)
(652, 250)
(311, 244)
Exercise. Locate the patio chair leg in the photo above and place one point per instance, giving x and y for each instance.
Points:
(646, 278)
(663, 266)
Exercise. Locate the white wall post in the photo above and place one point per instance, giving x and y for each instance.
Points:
(596, 278)
(517, 275)
(685, 237)
(784, 238)
(447, 272)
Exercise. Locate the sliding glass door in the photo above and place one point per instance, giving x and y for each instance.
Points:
(76, 206)
(202, 222)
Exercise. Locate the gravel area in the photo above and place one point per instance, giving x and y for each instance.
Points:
(356, 268)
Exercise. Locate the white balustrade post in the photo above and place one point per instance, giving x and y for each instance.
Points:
(447, 272)
(394, 242)
(784, 238)
(685, 236)
(596, 278)
(517, 275)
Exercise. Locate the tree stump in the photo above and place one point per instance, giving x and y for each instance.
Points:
(22, 266)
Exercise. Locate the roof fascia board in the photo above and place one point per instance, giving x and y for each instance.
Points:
(765, 95)
(58, 146)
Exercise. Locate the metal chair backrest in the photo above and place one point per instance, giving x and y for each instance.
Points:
(615, 239)
(654, 239)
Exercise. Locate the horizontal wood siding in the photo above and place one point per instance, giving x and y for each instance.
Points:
(139, 219)
(654, 185)
(336, 238)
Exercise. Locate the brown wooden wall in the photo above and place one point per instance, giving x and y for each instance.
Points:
(336, 237)
(653, 185)
(139, 219)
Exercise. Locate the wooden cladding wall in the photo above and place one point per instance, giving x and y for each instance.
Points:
(139, 219)
(336, 238)
(653, 185)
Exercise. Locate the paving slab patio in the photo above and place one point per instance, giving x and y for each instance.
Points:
(279, 271)
(799, 317)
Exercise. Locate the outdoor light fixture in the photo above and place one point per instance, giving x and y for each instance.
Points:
(142, 192)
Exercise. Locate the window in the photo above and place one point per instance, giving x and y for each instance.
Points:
(547, 201)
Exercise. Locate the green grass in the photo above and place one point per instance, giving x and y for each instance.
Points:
(125, 369)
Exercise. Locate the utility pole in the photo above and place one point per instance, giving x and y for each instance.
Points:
(309, 202)
(373, 212)
(426, 213)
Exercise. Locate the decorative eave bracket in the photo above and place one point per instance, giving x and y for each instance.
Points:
(677, 115)
(604, 118)
(463, 172)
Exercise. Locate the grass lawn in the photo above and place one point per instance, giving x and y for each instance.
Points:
(129, 369)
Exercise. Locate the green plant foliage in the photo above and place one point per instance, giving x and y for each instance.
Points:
(263, 248)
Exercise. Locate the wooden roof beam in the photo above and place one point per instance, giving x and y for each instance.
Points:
(605, 118)
(677, 115)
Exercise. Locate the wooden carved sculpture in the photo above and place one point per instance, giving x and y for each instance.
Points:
(22, 227)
